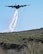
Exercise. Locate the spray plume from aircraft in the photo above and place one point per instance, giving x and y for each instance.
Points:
(17, 6)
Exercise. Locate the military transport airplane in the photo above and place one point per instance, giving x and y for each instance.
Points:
(17, 6)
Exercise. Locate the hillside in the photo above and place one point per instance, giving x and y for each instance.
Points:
(23, 42)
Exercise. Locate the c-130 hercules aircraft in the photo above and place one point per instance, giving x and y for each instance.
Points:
(17, 6)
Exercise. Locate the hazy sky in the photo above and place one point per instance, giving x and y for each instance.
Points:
(30, 17)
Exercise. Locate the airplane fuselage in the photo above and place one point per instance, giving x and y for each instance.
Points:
(17, 7)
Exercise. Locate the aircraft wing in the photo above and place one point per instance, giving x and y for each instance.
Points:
(10, 6)
(24, 5)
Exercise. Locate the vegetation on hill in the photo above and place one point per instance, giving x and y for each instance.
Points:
(23, 42)
(16, 37)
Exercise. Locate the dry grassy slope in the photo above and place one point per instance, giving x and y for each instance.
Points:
(30, 42)
(16, 37)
